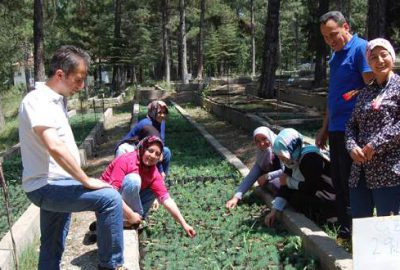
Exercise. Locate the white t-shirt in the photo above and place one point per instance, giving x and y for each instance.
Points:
(43, 107)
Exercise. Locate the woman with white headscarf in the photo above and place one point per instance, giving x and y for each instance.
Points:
(373, 138)
(306, 182)
(267, 168)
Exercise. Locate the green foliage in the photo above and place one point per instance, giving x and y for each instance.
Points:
(29, 257)
(81, 126)
(17, 199)
(15, 33)
(236, 240)
(10, 101)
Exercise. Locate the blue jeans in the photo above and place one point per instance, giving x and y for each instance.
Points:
(165, 162)
(363, 200)
(138, 200)
(125, 148)
(57, 200)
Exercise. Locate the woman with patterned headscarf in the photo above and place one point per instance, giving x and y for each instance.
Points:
(306, 182)
(136, 177)
(265, 171)
(373, 138)
(157, 112)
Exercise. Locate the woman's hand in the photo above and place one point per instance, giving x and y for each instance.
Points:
(283, 179)
(358, 156)
(261, 180)
(368, 151)
(232, 203)
(189, 231)
(270, 218)
(135, 218)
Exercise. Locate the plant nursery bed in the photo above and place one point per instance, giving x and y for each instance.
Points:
(81, 126)
(203, 182)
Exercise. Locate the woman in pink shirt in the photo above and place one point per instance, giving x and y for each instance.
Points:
(137, 178)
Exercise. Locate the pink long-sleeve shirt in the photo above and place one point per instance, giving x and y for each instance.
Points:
(128, 163)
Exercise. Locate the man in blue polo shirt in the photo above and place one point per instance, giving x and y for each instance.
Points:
(349, 71)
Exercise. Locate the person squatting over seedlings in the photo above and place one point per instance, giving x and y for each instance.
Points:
(306, 182)
(373, 138)
(52, 177)
(349, 71)
(266, 170)
(157, 112)
(135, 176)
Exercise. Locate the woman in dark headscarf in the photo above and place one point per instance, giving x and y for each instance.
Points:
(135, 175)
(306, 182)
(157, 112)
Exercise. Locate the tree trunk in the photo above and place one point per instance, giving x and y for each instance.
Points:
(345, 8)
(165, 14)
(253, 41)
(2, 118)
(38, 46)
(200, 54)
(134, 78)
(117, 80)
(182, 31)
(321, 51)
(270, 55)
(376, 19)
(26, 67)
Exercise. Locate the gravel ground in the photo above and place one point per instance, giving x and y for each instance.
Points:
(79, 252)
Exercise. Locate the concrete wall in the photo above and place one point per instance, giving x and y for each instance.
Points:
(25, 230)
(246, 121)
(304, 99)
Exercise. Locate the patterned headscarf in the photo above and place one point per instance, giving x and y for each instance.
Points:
(146, 142)
(154, 107)
(288, 143)
(380, 42)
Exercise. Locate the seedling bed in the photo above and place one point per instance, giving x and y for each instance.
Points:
(81, 126)
(236, 240)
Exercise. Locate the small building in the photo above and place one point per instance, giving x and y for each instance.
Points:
(21, 72)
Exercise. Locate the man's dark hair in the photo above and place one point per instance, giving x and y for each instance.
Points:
(67, 58)
(336, 16)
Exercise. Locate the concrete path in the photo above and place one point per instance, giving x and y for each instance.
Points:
(80, 252)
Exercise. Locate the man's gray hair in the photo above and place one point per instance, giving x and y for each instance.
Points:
(67, 58)
(336, 16)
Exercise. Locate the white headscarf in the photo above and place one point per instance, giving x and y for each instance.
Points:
(264, 157)
(266, 132)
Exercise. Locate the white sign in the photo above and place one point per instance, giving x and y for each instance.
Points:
(376, 243)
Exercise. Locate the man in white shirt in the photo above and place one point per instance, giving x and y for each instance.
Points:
(52, 177)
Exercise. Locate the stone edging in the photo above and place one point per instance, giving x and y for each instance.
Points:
(27, 227)
(25, 230)
(316, 242)
(247, 121)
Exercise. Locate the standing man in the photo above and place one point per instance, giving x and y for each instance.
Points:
(349, 71)
(52, 177)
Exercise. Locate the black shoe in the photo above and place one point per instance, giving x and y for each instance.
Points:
(93, 226)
